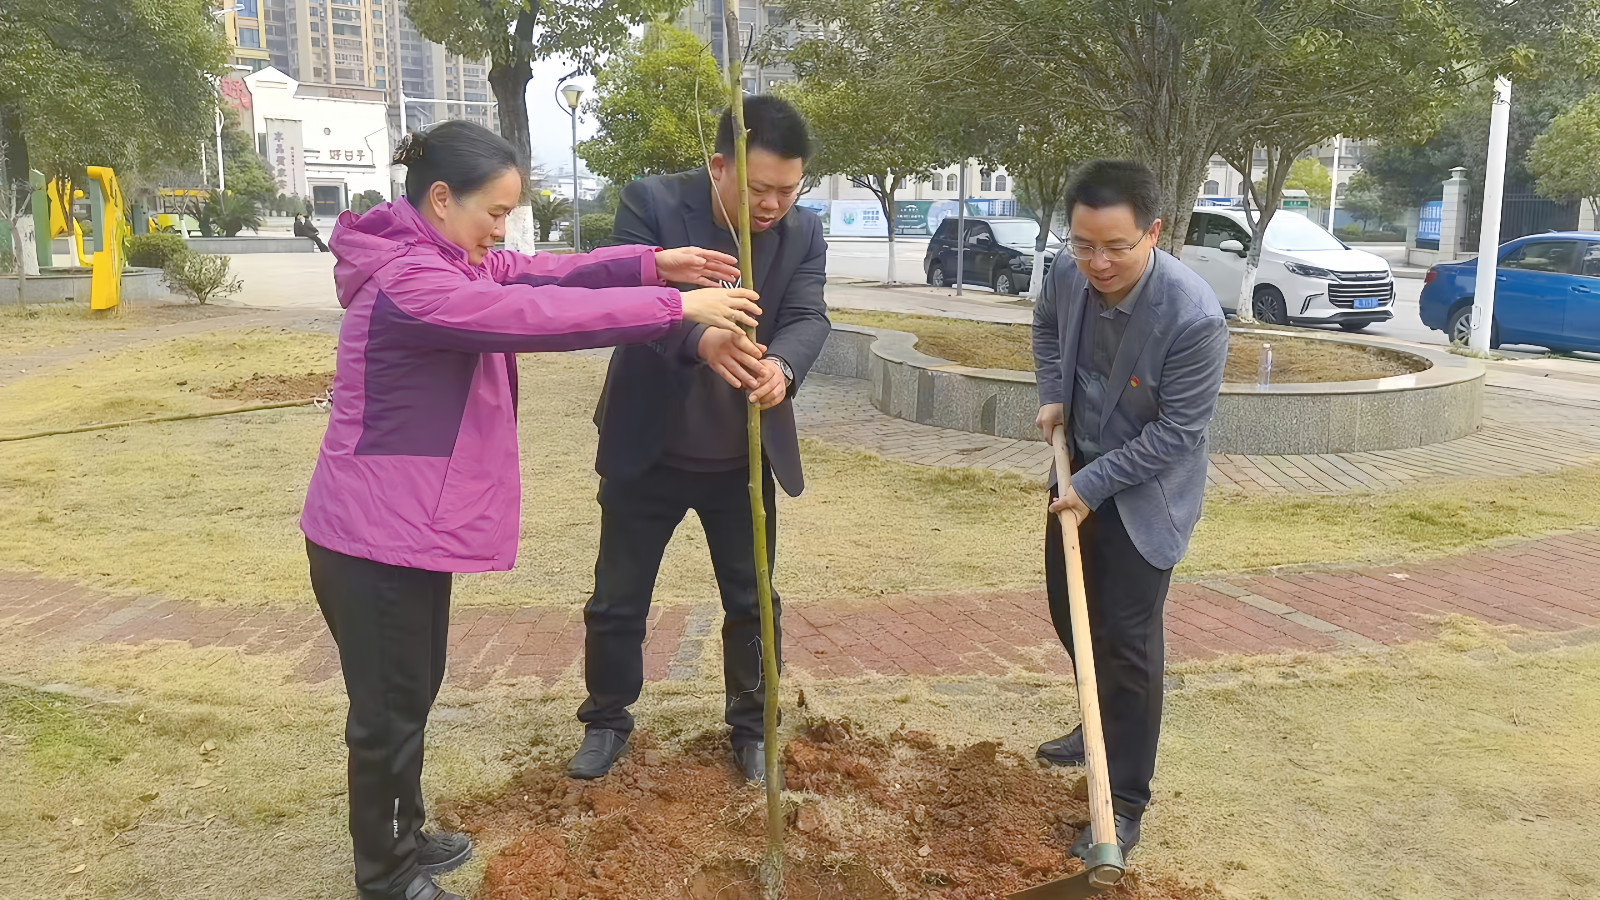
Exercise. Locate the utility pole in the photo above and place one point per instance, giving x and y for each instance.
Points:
(1489, 236)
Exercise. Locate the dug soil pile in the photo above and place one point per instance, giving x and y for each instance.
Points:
(260, 388)
(869, 819)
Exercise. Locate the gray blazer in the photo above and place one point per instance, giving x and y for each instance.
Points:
(647, 384)
(1169, 370)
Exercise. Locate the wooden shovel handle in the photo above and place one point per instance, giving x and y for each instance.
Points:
(1102, 825)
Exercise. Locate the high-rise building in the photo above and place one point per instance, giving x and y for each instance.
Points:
(762, 23)
(424, 69)
(241, 19)
(371, 44)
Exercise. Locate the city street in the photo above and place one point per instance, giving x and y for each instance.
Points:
(304, 281)
(867, 259)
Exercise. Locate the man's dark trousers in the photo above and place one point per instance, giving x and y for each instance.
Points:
(637, 519)
(1126, 598)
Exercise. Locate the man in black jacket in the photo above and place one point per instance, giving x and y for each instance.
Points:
(304, 228)
(672, 430)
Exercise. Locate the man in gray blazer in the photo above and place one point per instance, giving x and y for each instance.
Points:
(672, 430)
(1130, 346)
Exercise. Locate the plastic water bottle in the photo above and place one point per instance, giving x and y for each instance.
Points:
(1264, 371)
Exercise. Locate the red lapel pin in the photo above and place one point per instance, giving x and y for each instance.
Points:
(1134, 381)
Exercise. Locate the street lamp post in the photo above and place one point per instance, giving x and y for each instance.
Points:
(571, 93)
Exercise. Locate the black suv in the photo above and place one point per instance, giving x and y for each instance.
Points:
(999, 253)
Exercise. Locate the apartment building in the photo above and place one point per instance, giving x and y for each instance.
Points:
(761, 21)
(359, 46)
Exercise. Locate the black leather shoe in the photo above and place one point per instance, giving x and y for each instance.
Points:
(443, 852)
(422, 887)
(1064, 751)
(597, 753)
(751, 759)
(1127, 835)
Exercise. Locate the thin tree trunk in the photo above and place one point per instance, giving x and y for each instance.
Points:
(1046, 214)
(1279, 161)
(886, 200)
(772, 863)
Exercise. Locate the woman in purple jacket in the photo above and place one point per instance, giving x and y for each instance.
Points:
(418, 476)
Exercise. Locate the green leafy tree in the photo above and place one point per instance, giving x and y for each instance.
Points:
(245, 168)
(1365, 202)
(1041, 162)
(1407, 169)
(657, 103)
(1566, 158)
(125, 84)
(515, 33)
(1310, 176)
(548, 209)
(879, 144)
(1189, 79)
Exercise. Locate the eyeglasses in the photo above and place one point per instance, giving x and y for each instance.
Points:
(1082, 251)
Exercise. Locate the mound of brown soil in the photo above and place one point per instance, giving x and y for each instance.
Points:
(259, 388)
(869, 819)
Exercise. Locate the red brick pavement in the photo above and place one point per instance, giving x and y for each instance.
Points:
(1550, 584)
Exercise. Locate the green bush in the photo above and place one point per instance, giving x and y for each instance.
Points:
(596, 229)
(366, 200)
(201, 277)
(1355, 234)
(152, 251)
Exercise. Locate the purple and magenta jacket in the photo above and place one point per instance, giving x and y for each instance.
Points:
(419, 466)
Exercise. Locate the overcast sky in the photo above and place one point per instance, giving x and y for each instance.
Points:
(547, 119)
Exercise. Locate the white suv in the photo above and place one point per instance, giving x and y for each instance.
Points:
(1307, 276)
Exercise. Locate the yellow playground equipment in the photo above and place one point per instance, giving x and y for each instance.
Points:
(61, 214)
(53, 218)
(105, 285)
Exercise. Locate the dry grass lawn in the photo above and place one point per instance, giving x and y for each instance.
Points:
(167, 378)
(34, 327)
(1464, 768)
(995, 345)
(207, 509)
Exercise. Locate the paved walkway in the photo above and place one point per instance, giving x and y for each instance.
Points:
(1550, 584)
(1531, 425)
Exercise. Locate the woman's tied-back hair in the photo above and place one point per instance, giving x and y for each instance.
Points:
(462, 155)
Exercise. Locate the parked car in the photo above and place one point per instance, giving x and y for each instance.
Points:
(1307, 276)
(999, 253)
(1546, 292)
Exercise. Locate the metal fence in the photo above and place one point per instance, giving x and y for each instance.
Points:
(1522, 212)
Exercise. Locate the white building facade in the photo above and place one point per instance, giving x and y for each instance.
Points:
(320, 146)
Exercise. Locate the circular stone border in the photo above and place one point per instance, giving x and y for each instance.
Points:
(1440, 403)
(72, 284)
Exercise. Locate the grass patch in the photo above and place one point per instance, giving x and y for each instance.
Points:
(983, 345)
(997, 345)
(208, 510)
(177, 376)
(30, 328)
(1462, 768)
(1436, 519)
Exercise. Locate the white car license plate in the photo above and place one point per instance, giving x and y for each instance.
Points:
(1366, 303)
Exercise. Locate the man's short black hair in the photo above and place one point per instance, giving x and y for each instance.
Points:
(1116, 182)
(774, 125)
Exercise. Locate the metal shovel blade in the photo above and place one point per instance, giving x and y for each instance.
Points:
(1102, 875)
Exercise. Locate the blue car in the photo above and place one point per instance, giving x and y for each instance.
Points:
(1547, 292)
